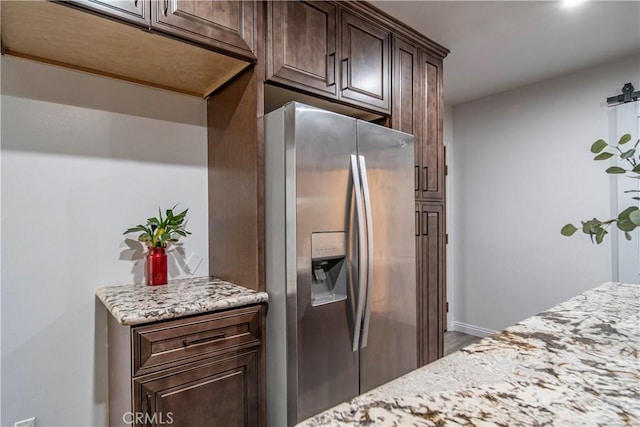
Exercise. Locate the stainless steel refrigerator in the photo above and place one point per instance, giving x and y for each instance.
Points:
(340, 259)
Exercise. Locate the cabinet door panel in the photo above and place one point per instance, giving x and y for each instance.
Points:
(431, 282)
(224, 25)
(302, 52)
(432, 152)
(419, 287)
(220, 393)
(364, 63)
(136, 11)
(405, 115)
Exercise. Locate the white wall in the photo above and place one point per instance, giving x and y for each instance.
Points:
(522, 170)
(83, 158)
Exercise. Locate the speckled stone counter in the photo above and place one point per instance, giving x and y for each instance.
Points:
(576, 364)
(135, 304)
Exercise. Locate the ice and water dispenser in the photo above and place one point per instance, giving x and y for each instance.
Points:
(328, 268)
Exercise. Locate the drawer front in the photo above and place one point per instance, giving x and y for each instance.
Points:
(167, 344)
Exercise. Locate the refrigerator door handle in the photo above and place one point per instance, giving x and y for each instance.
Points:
(369, 224)
(361, 253)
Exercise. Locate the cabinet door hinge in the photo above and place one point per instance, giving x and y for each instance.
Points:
(446, 238)
(447, 306)
(446, 170)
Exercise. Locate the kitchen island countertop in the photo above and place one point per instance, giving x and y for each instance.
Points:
(576, 364)
(136, 304)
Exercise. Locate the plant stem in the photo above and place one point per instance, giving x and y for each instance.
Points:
(631, 160)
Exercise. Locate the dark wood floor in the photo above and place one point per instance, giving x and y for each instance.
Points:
(454, 341)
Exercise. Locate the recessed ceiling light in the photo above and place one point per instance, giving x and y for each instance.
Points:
(571, 2)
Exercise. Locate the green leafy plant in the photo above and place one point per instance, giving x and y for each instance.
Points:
(628, 219)
(158, 232)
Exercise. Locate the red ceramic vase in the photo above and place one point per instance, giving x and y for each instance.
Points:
(156, 267)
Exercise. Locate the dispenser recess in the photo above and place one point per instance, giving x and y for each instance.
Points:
(328, 268)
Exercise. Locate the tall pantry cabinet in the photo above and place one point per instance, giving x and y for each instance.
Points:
(417, 109)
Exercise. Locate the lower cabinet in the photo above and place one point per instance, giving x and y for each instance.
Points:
(212, 393)
(431, 290)
(200, 371)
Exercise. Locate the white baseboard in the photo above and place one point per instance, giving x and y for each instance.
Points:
(474, 330)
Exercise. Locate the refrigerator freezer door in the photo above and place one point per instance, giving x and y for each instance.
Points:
(391, 349)
(327, 368)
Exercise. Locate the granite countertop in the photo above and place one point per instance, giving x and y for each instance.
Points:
(135, 304)
(576, 364)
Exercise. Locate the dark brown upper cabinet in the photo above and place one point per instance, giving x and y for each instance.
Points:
(364, 63)
(225, 25)
(432, 157)
(303, 45)
(136, 11)
(321, 48)
(49, 32)
(417, 109)
(406, 114)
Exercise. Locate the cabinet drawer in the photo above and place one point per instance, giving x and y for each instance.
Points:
(167, 344)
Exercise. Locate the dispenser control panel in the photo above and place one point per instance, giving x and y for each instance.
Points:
(328, 245)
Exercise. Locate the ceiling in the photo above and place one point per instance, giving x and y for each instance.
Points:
(500, 45)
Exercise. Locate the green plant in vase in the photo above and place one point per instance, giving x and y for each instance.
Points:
(629, 219)
(157, 234)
